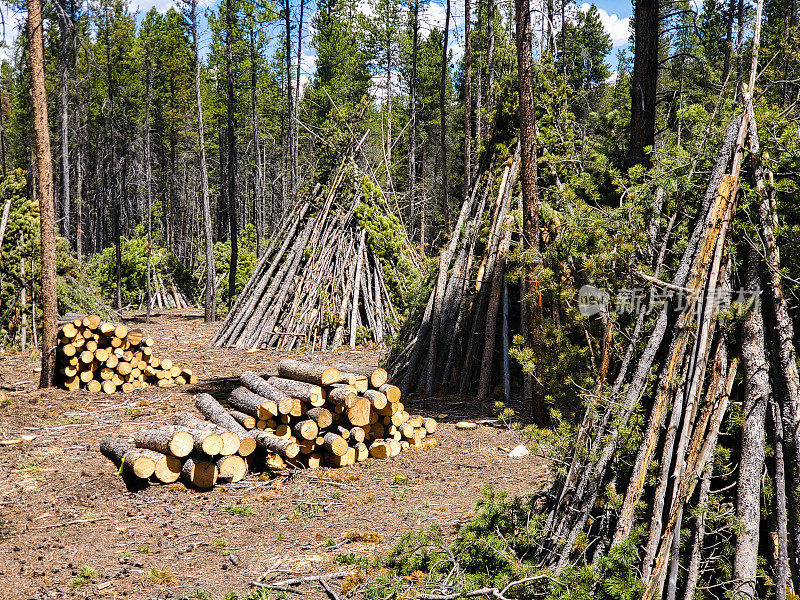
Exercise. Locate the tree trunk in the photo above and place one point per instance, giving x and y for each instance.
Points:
(751, 461)
(287, 15)
(63, 99)
(467, 100)
(412, 141)
(528, 175)
(644, 82)
(210, 309)
(443, 120)
(44, 174)
(230, 171)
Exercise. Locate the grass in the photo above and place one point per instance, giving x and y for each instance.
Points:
(337, 495)
(352, 559)
(29, 466)
(144, 549)
(161, 576)
(401, 479)
(85, 575)
(243, 508)
(133, 412)
(220, 543)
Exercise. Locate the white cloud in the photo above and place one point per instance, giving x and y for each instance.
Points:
(618, 28)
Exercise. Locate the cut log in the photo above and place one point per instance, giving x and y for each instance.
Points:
(362, 452)
(299, 389)
(430, 425)
(359, 413)
(277, 445)
(306, 429)
(231, 468)
(380, 449)
(359, 382)
(199, 472)
(259, 386)
(341, 394)
(244, 400)
(206, 441)
(314, 461)
(230, 440)
(376, 398)
(334, 444)
(392, 392)
(167, 440)
(126, 456)
(167, 468)
(357, 434)
(322, 416)
(215, 412)
(309, 372)
(376, 375)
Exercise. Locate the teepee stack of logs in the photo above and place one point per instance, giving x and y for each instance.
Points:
(308, 415)
(463, 335)
(100, 356)
(317, 284)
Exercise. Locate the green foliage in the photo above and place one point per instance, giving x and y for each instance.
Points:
(133, 269)
(245, 264)
(243, 508)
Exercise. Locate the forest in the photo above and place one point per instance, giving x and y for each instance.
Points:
(593, 247)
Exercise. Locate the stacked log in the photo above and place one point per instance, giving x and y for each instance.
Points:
(318, 284)
(321, 420)
(108, 357)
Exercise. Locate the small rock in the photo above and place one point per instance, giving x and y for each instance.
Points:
(466, 425)
(233, 559)
(519, 452)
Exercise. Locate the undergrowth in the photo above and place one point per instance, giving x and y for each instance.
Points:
(494, 550)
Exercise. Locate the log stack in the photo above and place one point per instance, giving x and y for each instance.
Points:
(108, 357)
(306, 416)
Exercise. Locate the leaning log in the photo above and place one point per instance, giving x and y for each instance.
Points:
(376, 375)
(259, 386)
(215, 412)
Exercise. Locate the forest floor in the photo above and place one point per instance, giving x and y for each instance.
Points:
(71, 528)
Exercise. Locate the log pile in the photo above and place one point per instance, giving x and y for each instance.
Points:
(461, 340)
(102, 356)
(306, 416)
(317, 284)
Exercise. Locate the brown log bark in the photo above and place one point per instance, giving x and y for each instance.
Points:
(230, 440)
(286, 448)
(315, 373)
(299, 389)
(322, 416)
(215, 412)
(334, 444)
(176, 441)
(250, 403)
(44, 174)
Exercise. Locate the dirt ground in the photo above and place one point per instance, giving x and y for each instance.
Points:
(70, 527)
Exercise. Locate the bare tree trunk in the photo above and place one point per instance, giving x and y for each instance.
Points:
(412, 142)
(287, 15)
(44, 174)
(230, 171)
(149, 186)
(256, 140)
(210, 312)
(63, 99)
(751, 461)
(528, 175)
(443, 120)
(644, 82)
(467, 100)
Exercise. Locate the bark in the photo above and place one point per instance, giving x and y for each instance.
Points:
(287, 15)
(231, 469)
(284, 448)
(751, 461)
(412, 136)
(528, 176)
(44, 175)
(443, 119)
(644, 81)
(467, 101)
(167, 440)
(309, 372)
(299, 389)
(230, 155)
(210, 304)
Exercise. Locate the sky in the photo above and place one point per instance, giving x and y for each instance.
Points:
(614, 14)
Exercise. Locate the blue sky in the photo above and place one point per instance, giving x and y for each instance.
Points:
(615, 15)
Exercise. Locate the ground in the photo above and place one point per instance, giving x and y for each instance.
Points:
(70, 527)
